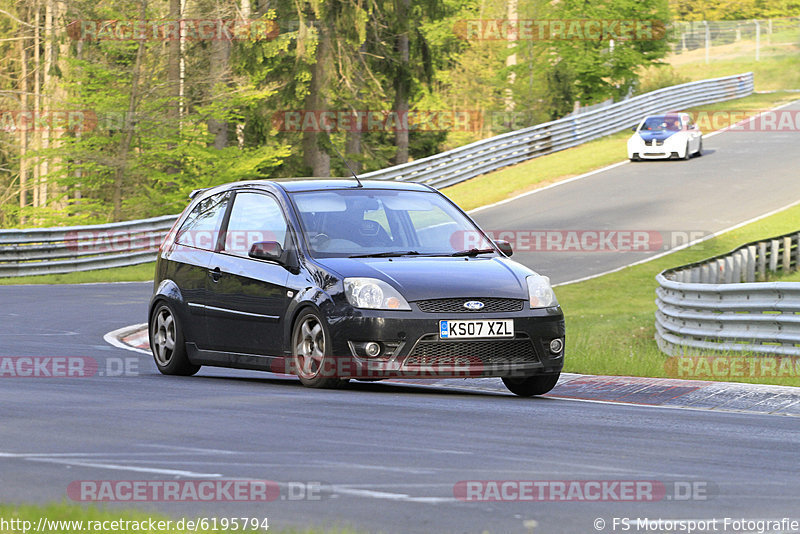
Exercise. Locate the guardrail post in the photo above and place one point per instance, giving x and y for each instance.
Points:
(797, 252)
(774, 255)
(738, 260)
(729, 274)
(705, 274)
(787, 255)
(719, 267)
(762, 261)
(750, 275)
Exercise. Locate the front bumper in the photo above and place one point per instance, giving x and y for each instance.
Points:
(411, 347)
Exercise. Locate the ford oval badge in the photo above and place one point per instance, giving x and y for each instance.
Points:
(473, 305)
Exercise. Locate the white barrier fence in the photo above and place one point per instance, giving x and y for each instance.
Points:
(724, 304)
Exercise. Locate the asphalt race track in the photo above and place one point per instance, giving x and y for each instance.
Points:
(387, 457)
(743, 174)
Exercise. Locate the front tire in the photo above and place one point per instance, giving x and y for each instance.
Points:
(699, 149)
(531, 385)
(312, 358)
(688, 154)
(167, 343)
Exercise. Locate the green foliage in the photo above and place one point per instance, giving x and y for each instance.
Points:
(136, 157)
(658, 77)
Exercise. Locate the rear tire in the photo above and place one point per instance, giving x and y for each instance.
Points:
(312, 358)
(531, 385)
(167, 343)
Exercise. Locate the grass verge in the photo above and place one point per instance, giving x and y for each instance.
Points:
(63, 518)
(775, 70)
(611, 321)
(539, 172)
(132, 273)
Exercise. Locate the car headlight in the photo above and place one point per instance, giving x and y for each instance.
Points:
(373, 294)
(540, 293)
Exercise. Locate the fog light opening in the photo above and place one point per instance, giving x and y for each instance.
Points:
(556, 345)
(372, 349)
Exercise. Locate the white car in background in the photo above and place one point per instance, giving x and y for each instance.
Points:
(670, 136)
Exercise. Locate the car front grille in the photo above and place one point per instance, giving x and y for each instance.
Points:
(431, 351)
(457, 305)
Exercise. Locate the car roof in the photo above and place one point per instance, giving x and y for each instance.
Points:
(665, 115)
(314, 184)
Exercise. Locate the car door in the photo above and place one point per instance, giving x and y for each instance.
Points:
(248, 297)
(189, 257)
(694, 134)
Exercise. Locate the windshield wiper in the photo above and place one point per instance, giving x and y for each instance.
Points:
(388, 254)
(472, 252)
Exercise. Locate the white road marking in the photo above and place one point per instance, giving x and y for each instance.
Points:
(681, 247)
(119, 467)
(383, 495)
(550, 186)
(113, 337)
(190, 449)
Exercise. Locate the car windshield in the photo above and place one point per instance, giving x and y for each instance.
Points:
(376, 222)
(661, 123)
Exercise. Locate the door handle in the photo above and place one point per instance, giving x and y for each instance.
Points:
(215, 274)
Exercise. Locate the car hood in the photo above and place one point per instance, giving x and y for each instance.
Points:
(657, 135)
(421, 278)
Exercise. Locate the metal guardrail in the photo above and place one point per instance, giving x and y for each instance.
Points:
(724, 304)
(480, 157)
(83, 248)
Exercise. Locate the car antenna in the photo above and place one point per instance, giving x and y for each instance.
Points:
(349, 168)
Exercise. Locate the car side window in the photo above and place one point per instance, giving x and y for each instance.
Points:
(201, 227)
(254, 217)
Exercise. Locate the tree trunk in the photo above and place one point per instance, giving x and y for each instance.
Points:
(402, 82)
(47, 83)
(174, 67)
(511, 60)
(127, 135)
(37, 97)
(313, 155)
(353, 146)
(220, 79)
(23, 132)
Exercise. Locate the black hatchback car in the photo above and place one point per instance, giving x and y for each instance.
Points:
(338, 279)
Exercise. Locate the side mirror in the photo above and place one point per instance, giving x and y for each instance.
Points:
(266, 250)
(504, 246)
(633, 129)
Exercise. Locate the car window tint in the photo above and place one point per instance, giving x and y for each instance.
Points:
(254, 217)
(201, 228)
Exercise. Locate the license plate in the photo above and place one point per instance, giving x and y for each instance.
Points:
(480, 328)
